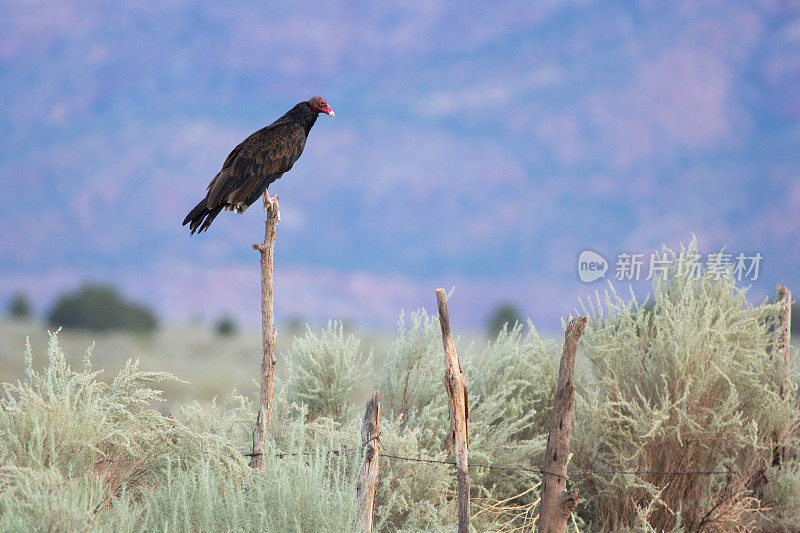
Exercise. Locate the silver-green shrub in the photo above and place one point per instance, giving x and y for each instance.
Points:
(65, 436)
(684, 381)
(782, 496)
(412, 496)
(510, 393)
(325, 370)
(412, 393)
(511, 389)
(688, 383)
(77, 454)
(292, 494)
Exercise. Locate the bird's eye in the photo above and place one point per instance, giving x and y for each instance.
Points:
(322, 103)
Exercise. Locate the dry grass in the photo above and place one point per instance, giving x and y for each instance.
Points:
(506, 515)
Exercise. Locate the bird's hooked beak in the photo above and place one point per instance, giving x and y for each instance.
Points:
(330, 112)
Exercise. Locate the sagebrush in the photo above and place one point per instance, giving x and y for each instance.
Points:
(682, 381)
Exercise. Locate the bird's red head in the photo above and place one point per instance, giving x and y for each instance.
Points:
(319, 105)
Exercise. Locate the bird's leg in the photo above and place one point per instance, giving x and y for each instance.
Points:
(271, 203)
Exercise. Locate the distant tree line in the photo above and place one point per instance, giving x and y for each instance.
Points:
(100, 308)
(93, 306)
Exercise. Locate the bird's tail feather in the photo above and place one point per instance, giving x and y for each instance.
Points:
(200, 218)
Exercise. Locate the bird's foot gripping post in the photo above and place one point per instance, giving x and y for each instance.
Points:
(269, 335)
(271, 205)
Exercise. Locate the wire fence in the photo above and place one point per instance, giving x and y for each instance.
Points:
(350, 451)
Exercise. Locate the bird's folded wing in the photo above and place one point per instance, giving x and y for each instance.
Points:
(255, 163)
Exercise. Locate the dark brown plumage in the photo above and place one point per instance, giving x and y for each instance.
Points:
(258, 161)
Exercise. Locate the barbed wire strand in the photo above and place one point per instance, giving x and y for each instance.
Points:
(347, 451)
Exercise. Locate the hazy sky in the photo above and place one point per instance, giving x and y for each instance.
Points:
(481, 145)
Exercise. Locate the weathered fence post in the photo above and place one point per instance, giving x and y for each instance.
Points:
(456, 384)
(783, 323)
(557, 503)
(269, 335)
(368, 480)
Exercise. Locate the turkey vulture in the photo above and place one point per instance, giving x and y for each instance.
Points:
(258, 161)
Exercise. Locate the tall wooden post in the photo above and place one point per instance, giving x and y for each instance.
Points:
(456, 384)
(269, 335)
(368, 480)
(557, 503)
(783, 324)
